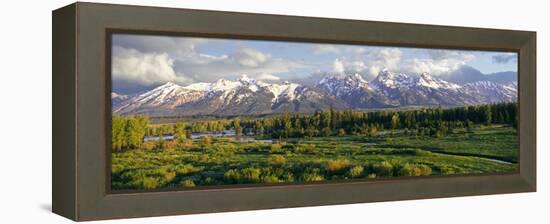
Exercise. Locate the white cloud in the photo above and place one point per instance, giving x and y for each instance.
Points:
(255, 64)
(390, 57)
(440, 62)
(149, 60)
(373, 70)
(142, 68)
(173, 46)
(250, 57)
(326, 49)
(435, 67)
(357, 66)
(338, 66)
(268, 77)
(441, 54)
(369, 61)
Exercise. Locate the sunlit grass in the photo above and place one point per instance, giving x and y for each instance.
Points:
(224, 161)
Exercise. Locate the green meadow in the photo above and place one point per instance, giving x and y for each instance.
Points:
(208, 161)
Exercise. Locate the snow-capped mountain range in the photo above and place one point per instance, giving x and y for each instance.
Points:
(340, 91)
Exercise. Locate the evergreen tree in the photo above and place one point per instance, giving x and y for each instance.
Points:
(486, 114)
(179, 132)
(237, 127)
(395, 121)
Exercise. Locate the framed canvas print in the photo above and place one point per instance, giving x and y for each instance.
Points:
(202, 111)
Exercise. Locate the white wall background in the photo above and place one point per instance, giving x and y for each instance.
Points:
(25, 91)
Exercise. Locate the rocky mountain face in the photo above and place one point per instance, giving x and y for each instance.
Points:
(354, 91)
(491, 92)
(249, 96)
(423, 90)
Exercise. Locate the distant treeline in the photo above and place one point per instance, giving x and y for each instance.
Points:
(128, 132)
(426, 121)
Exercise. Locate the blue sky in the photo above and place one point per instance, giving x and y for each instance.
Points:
(152, 60)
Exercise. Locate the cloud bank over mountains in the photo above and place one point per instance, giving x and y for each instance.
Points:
(142, 61)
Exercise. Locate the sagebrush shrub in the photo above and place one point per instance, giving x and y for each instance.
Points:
(356, 171)
(414, 170)
(276, 160)
(337, 165)
(188, 183)
(383, 168)
(149, 183)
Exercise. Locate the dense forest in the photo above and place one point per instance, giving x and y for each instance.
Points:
(129, 132)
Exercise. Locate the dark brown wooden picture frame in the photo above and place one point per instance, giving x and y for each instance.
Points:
(81, 110)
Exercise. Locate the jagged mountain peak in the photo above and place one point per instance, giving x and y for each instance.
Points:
(168, 85)
(166, 89)
(345, 85)
(426, 76)
(245, 79)
(245, 95)
(356, 79)
(350, 78)
(427, 80)
(327, 79)
(223, 84)
(387, 74)
(388, 79)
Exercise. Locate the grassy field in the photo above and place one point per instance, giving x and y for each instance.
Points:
(219, 161)
(496, 142)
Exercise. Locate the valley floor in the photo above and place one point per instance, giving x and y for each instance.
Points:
(221, 161)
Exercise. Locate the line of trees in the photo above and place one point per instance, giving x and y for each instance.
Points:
(429, 121)
(129, 132)
(197, 127)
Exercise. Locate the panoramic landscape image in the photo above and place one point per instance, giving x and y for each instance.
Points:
(190, 112)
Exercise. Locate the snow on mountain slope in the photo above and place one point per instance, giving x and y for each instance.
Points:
(223, 85)
(166, 96)
(343, 84)
(355, 91)
(490, 92)
(390, 80)
(283, 91)
(512, 85)
(427, 80)
(219, 94)
(387, 79)
(199, 86)
(246, 95)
